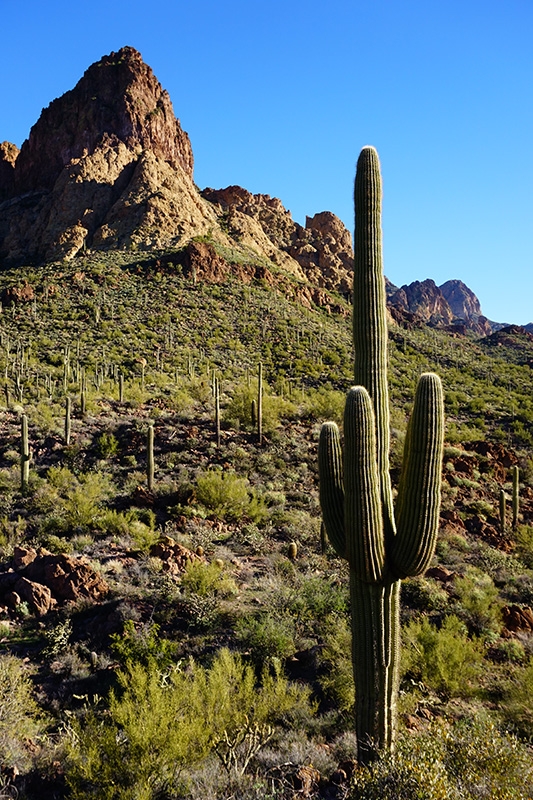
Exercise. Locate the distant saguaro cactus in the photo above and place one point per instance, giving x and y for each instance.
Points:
(24, 453)
(355, 490)
(150, 464)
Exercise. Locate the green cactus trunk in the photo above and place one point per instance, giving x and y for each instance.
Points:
(150, 463)
(355, 488)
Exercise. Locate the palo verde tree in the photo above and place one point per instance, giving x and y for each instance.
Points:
(381, 543)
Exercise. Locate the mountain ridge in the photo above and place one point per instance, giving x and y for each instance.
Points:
(108, 165)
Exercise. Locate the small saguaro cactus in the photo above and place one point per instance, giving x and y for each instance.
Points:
(260, 404)
(503, 509)
(382, 544)
(150, 467)
(24, 453)
(516, 495)
(68, 408)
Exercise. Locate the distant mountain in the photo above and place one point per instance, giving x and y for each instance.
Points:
(107, 165)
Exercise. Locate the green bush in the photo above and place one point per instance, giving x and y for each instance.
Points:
(229, 496)
(336, 656)
(470, 760)
(518, 700)
(478, 603)
(159, 723)
(239, 409)
(20, 717)
(445, 659)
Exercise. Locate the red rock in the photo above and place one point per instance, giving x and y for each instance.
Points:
(440, 574)
(23, 556)
(516, 618)
(39, 597)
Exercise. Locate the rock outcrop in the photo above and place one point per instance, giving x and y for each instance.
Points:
(107, 164)
(320, 253)
(452, 306)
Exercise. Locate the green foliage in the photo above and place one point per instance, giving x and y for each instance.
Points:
(20, 718)
(471, 760)
(518, 700)
(207, 579)
(107, 445)
(240, 406)
(129, 753)
(325, 404)
(524, 544)
(477, 602)
(229, 496)
(268, 638)
(141, 644)
(337, 680)
(445, 659)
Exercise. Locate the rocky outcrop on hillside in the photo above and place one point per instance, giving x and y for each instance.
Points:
(322, 250)
(452, 306)
(425, 299)
(107, 164)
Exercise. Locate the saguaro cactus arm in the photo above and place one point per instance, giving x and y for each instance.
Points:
(418, 502)
(365, 543)
(331, 485)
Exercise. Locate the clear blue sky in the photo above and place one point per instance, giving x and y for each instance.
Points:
(279, 97)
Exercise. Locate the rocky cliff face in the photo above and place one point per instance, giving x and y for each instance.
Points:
(320, 253)
(452, 305)
(107, 164)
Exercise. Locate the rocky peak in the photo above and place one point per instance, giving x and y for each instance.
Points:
(425, 299)
(462, 300)
(8, 156)
(118, 99)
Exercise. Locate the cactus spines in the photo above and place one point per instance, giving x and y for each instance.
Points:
(24, 453)
(382, 544)
(516, 495)
(150, 468)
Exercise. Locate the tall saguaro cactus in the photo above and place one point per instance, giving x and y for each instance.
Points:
(381, 543)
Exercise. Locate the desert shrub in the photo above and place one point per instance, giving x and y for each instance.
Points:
(445, 659)
(20, 718)
(268, 637)
(107, 445)
(336, 680)
(325, 404)
(129, 753)
(518, 700)
(228, 495)
(73, 503)
(141, 644)
(470, 760)
(477, 602)
(424, 594)
(239, 409)
(524, 544)
(206, 579)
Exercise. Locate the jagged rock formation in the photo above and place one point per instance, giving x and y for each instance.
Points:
(323, 249)
(453, 306)
(107, 164)
(425, 299)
